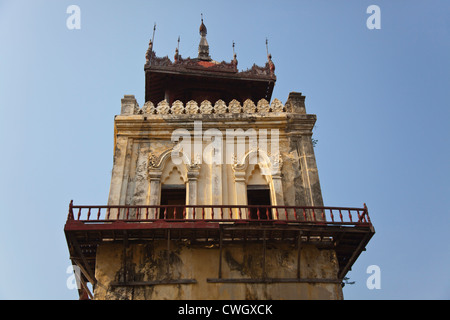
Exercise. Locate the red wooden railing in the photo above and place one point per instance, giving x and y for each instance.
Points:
(220, 213)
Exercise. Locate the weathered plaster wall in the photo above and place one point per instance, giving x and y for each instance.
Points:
(146, 262)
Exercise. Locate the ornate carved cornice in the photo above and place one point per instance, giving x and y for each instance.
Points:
(187, 64)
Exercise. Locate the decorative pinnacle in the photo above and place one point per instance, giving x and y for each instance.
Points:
(203, 30)
(154, 29)
(203, 48)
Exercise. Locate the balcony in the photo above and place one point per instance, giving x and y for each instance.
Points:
(346, 230)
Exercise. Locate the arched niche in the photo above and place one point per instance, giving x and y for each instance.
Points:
(254, 168)
(172, 173)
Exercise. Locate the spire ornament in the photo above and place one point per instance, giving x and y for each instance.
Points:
(150, 53)
(203, 47)
(177, 54)
(234, 61)
(269, 58)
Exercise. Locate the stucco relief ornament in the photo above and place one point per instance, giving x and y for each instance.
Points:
(249, 106)
(234, 106)
(176, 148)
(177, 107)
(220, 107)
(237, 165)
(234, 158)
(152, 160)
(276, 160)
(192, 107)
(263, 106)
(277, 106)
(148, 108)
(148, 54)
(163, 107)
(197, 161)
(234, 161)
(206, 107)
(271, 64)
(137, 110)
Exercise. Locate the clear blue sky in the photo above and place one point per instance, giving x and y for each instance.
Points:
(382, 99)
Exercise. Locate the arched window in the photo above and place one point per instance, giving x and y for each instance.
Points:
(258, 194)
(173, 193)
(258, 182)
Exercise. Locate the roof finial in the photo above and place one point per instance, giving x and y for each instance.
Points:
(177, 55)
(234, 57)
(203, 48)
(269, 58)
(148, 54)
(203, 30)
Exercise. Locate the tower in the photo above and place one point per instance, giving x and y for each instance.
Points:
(214, 194)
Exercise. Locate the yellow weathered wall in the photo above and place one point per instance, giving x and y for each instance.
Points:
(149, 262)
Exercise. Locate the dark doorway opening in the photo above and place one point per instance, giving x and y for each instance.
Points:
(172, 196)
(259, 196)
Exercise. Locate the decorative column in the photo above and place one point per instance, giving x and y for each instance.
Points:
(155, 188)
(241, 194)
(216, 187)
(240, 187)
(192, 175)
(277, 197)
(213, 156)
(278, 190)
(154, 193)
